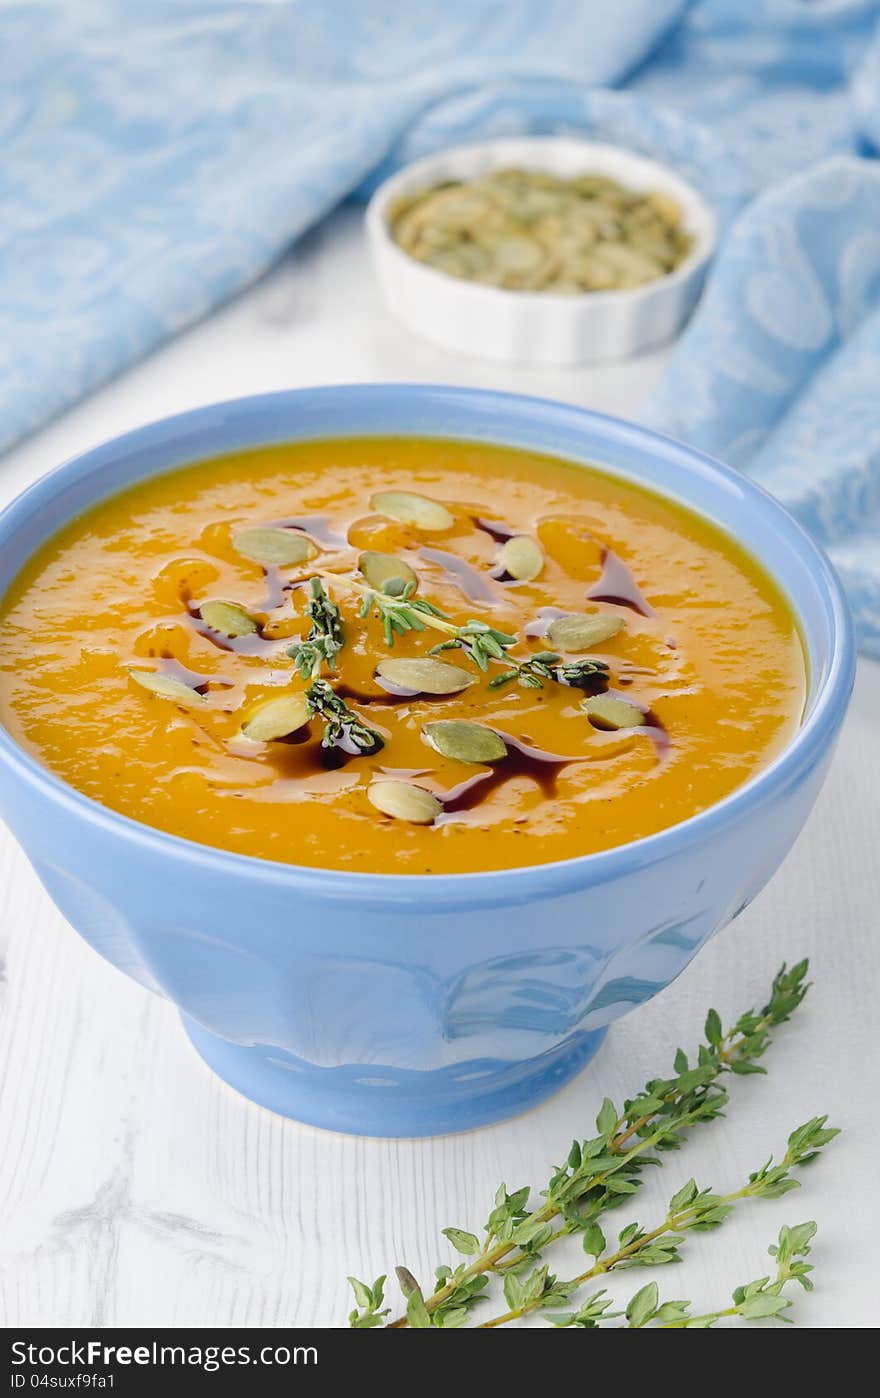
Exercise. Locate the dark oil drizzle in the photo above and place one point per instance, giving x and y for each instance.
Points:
(657, 731)
(653, 727)
(523, 759)
(468, 794)
(502, 576)
(396, 694)
(495, 528)
(254, 643)
(500, 532)
(357, 696)
(618, 586)
(463, 575)
(534, 761)
(318, 527)
(276, 589)
(314, 755)
(167, 665)
(344, 750)
(543, 621)
(405, 773)
(296, 738)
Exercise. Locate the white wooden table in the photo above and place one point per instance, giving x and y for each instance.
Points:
(136, 1189)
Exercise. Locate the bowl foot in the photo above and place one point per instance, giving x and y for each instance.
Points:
(372, 1100)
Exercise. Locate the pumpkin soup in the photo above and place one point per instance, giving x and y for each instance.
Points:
(399, 656)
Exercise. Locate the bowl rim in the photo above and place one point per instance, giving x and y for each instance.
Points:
(379, 232)
(490, 886)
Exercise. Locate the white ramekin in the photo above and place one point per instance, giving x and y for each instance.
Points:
(537, 326)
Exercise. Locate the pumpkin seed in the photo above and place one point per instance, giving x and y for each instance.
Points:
(666, 207)
(522, 557)
(464, 741)
(631, 267)
(580, 633)
(594, 275)
(425, 676)
(166, 687)
(276, 718)
(457, 208)
(606, 711)
(404, 802)
(228, 618)
(408, 508)
(278, 548)
(380, 569)
(518, 255)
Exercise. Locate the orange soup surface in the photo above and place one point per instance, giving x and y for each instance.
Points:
(226, 652)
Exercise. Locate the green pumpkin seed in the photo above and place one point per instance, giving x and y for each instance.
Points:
(276, 718)
(417, 510)
(404, 802)
(464, 741)
(581, 633)
(228, 618)
(425, 676)
(631, 267)
(666, 207)
(380, 569)
(595, 275)
(166, 687)
(522, 557)
(606, 711)
(456, 209)
(518, 256)
(274, 548)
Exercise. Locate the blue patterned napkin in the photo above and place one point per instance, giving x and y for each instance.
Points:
(159, 154)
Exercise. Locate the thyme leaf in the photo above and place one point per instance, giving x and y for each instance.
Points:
(343, 728)
(480, 642)
(368, 1299)
(761, 1299)
(325, 638)
(399, 611)
(547, 665)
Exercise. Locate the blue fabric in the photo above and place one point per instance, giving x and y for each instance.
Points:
(159, 154)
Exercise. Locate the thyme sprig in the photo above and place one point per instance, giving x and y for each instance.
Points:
(368, 1299)
(400, 612)
(547, 665)
(481, 643)
(600, 1173)
(325, 638)
(343, 728)
(690, 1209)
(761, 1299)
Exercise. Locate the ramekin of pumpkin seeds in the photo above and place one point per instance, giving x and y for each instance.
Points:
(531, 230)
(603, 250)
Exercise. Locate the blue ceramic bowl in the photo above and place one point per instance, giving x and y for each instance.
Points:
(397, 1005)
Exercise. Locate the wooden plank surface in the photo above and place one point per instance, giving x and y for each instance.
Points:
(136, 1189)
